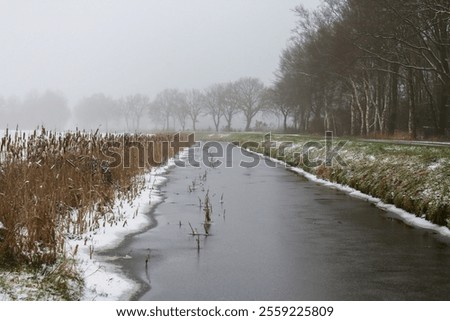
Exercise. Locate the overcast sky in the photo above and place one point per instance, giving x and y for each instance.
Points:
(122, 47)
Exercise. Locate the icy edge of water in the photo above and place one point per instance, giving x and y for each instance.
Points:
(105, 281)
(407, 217)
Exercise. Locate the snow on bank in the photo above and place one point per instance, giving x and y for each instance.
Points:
(406, 217)
(105, 280)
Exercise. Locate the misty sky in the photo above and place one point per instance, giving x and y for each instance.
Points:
(123, 47)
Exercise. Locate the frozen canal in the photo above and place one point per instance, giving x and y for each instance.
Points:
(276, 236)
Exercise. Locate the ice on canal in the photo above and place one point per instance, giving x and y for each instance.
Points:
(274, 235)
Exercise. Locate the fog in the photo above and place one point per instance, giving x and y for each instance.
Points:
(118, 48)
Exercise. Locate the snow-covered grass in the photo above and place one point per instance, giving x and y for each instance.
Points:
(60, 281)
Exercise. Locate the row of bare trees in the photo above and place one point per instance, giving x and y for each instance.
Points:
(221, 102)
(171, 109)
(361, 67)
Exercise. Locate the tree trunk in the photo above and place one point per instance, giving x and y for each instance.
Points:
(352, 118)
(383, 120)
(194, 121)
(443, 108)
(326, 121)
(296, 121)
(445, 60)
(229, 123)
(412, 107)
(394, 100)
(361, 111)
(367, 112)
(379, 104)
(249, 122)
(216, 123)
(307, 120)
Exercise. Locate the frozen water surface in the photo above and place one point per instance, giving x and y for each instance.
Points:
(277, 236)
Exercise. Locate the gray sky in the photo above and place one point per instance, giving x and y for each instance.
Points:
(122, 47)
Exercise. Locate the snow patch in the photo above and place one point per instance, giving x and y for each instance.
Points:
(435, 165)
(104, 280)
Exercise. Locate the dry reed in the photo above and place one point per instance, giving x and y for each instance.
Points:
(55, 186)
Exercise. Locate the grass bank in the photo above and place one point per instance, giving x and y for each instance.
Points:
(413, 178)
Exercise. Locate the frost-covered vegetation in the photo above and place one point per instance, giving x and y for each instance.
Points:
(414, 178)
(57, 188)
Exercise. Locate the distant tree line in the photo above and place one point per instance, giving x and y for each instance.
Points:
(170, 110)
(174, 110)
(49, 108)
(363, 67)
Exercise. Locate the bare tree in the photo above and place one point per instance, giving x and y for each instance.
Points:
(229, 101)
(135, 106)
(251, 97)
(181, 109)
(195, 101)
(168, 104)
(279, 104)
(214, 104)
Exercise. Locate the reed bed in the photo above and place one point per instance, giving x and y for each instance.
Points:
(57, 186)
